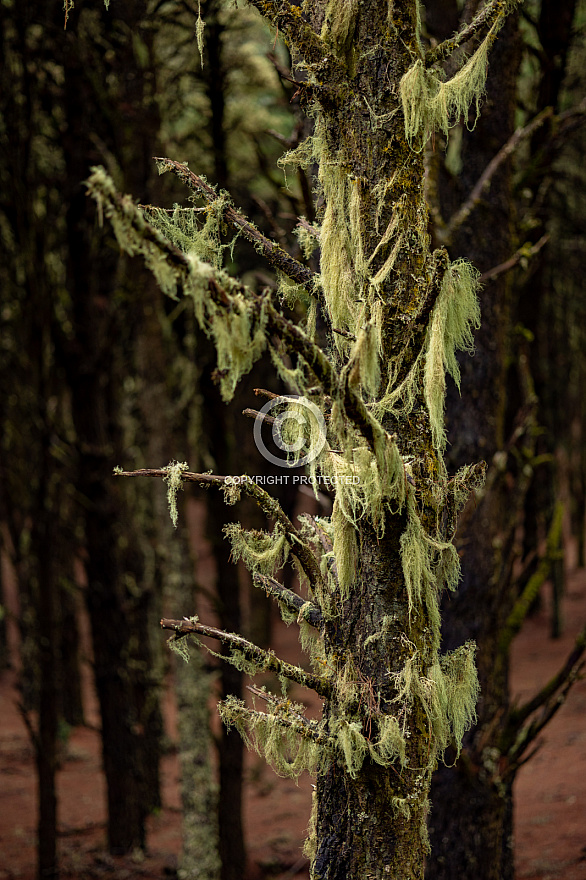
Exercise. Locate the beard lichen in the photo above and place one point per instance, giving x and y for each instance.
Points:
(174, 481)
(239, 332)
(261, 552)
(430, 104)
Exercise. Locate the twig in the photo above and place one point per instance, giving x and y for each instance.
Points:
(267, 660)
(274, 254)
(295, 603)
(255, 414)
(262, 392)
(524, 253)
(344, 333)
(33, 734)
(521, 134)
(312, 229)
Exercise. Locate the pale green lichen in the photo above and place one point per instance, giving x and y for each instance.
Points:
(261, 552)
(456, 313)
(174, 481)
(430, 104)
(179, 647)
(429, 564)
(236, 324)
(199, 29)
(308, 240)
(339, 25)
(280, 735)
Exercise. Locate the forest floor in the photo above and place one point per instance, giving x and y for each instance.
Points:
(550, 792)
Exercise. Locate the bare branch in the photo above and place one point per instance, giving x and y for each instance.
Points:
(274, 254)
(255, 414)
(529, 733)
(521, 134)
(519, 715)
(291, 600)
(262, 392)
(267, 661)
(524, 253)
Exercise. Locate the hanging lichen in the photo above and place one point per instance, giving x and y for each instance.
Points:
(455, 315)
(429, 564)
(339, 25)
(174, 482)
(239, 332)
(288, 742)
(258, 550)
(429, 104)
(199, 29)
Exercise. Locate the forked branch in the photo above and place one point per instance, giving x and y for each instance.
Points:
(269, 505)
(273, 253)
(520, 135)
(487, 16)
(122, 211)
(559, 680)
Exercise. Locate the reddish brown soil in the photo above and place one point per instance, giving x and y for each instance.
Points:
(550, 791)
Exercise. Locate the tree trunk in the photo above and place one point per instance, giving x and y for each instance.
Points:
(470, 823)
(117, 600)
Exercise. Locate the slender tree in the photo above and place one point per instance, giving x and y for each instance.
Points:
(369, 410)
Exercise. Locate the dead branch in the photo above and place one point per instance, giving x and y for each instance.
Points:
(267, 661)
(524, 253)
(445, 234)
(520, 714)
(273, 253)
(291, 600)
(262, 392)
(255, 414)
(528, 734)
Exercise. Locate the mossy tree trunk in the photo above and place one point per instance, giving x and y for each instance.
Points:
(395, 312)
